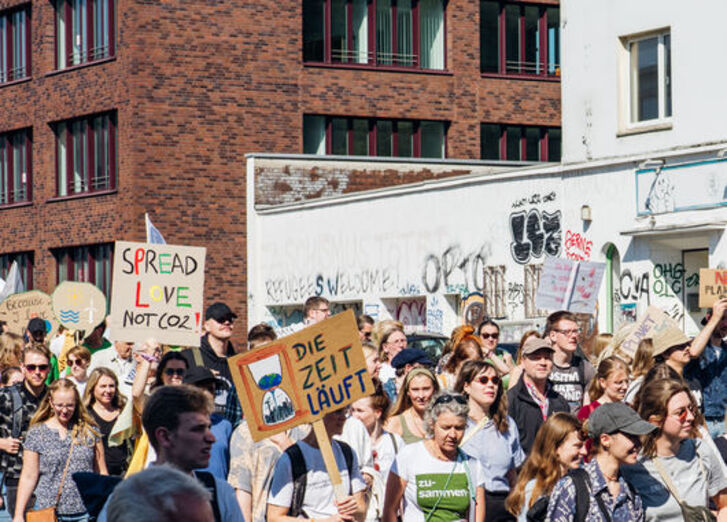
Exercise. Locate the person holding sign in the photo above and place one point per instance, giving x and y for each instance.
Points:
(491, 436)
(435, 478)
(302, 486)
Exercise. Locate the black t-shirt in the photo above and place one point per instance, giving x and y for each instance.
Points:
(116, 456)
(721, 444)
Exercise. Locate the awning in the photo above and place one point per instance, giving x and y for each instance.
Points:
(683, 236)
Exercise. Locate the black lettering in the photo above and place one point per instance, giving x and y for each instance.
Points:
(151, 255)
(127, 261)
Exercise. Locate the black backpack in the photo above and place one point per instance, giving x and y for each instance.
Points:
(539, 509)
(297, 465)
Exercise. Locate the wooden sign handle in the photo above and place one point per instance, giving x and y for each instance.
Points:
(324, 444)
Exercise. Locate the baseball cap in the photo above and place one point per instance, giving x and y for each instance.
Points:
(36, 324)
(668, 338)
(219, 312)
(533, 344)
(617, 416)
(197, 374)
(411, 356)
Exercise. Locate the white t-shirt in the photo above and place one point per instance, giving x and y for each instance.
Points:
(386, 449)
(319, 494)
(430, 483)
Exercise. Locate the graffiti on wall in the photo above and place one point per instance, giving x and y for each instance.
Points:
(473, 309)
(535, 233)
(455, 270)
(534, 199)
(342, 282)
(577, 246)
(435, 315)
(515, 297)
(288, 315)
(412, 312)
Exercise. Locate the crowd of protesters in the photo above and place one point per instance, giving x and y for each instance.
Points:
(569, 428)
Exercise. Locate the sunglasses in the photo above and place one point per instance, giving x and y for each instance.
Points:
(682, 413)
(75, 362)
(484, 379)
(179, 372)
(490, 336)
(444, 399)
(37, 367)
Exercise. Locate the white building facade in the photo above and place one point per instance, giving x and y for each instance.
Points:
(642, 188)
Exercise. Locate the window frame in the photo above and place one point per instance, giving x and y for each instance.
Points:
(502, 41)
(5, 75)
(662, 120)
(543, 144)
(93, 253)
(90, 47)
(372, 135)
(26, 270)
(371, 51)
(6, 136)
(89, 156)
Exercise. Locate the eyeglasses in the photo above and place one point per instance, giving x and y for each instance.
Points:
(486, 336)
(682, 413)
(37, 367)
(179, 372)
(444, 399)
(484, 379)
(75, 362)
(574, 331)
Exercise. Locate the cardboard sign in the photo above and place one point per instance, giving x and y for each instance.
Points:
(20, 308)
(653, 321)
(569, 285)
(712, 286)
(79, 306)
(299, 378)
(157, 292)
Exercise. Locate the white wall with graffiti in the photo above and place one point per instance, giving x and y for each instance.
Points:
(443, 252)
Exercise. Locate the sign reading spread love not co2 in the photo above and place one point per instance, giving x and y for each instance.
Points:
(157, 292)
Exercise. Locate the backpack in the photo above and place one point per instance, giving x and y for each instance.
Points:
(539, 509)
(300, 478)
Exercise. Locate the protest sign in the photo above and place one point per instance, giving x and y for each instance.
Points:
(18, 309)
(653, 321)
(299, 378)
(157, 292)
(79, 306)
(569, 285)
(712, 286)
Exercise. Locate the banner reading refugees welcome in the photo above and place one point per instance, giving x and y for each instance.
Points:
(299, 378)
(157, 292)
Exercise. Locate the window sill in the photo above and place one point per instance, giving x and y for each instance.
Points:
(525, 77)
(81, 66)
(378, 68)
(19, 204)
(641, 129)
(82, 195)
(16, 82)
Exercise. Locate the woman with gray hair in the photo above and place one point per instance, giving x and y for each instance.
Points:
(436, 480)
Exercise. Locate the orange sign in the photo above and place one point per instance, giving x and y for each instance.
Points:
(299, 378)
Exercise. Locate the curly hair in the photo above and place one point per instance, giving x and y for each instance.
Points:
(498, 409)
(445, 401)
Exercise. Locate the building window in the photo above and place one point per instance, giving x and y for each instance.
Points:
(90, 263)
(86, 154)
(650, 77)
(493, 291)
(393, 33)
(520, 143)
(519, 39)
(84, 31)
(532, 281)
(14, 44)
(373, 137)
(15, 156)
(25, 267)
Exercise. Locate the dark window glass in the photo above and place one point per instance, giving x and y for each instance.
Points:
(513, 143)
(360, 130)
(313, 30)
(339, 136)
(25, 267)
(490, 141)
(405, 135)
(384, 137)
(432, 134)
(648, 75)
(667, 74)
(489, 37)
(553, 17)
(531, 62)
(512, 38)
(554, 139)
(532, 144)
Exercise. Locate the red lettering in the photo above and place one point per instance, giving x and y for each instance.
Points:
(138, 258)
(720, 277)
(138, 291)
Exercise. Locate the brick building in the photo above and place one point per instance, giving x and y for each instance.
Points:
(113, 108)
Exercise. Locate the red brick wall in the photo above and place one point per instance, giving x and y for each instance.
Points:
(196, 86)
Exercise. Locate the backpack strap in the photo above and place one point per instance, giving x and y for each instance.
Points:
(17, 412)
(348, 457)
(582, 372)
(208, 481)
(297, 466)
(583, 500)
(396, 449)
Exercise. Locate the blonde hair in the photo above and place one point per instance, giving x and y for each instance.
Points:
(403, 401)
(79, 351)
(84, 429)
(11, 350)
(600, 342)
(644, 358)
(89, 398)
(543, 463)
(606, 368)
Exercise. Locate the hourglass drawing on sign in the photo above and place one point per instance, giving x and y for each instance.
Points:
(274, 391)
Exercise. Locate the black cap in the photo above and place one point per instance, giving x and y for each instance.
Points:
(36, 324)
(219, 312)
(198, 374)
(411, 356)
(617, 416)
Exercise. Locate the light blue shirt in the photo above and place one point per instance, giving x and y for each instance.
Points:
(497, 452)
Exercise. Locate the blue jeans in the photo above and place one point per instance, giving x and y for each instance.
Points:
(79, 517)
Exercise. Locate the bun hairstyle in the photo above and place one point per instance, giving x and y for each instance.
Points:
(606, 368)
(464, 343)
